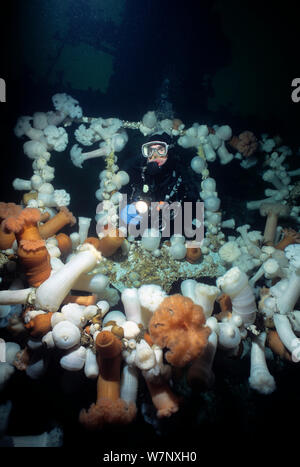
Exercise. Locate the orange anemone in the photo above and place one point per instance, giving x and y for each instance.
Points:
(193, 254)
(85, 300)
(35, 261)
(56, 223)
(289, 236)
(109, 244)
(32, 251)
(39, 325)
(164, 400)
(7, 210)
(29, 196)
(276, 345)
(64, 243)
(225, 305)
(93, 241)
(24, 225)
(178, 325)
(109, 408)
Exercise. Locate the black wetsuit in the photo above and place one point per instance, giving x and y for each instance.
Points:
(172, 181)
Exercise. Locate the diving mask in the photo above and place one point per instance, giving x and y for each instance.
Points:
(160, 148)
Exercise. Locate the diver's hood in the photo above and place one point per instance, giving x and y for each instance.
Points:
(157, 137)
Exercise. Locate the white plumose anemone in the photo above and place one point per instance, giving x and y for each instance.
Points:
(51, 293)
(65, 335)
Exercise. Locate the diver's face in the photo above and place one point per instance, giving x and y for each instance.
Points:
(157, 152)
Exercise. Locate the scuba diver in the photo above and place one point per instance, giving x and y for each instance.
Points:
(157, 174)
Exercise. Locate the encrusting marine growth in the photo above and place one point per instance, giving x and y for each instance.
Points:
(104, 299)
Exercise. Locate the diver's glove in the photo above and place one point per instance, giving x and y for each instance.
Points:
(129, 215)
